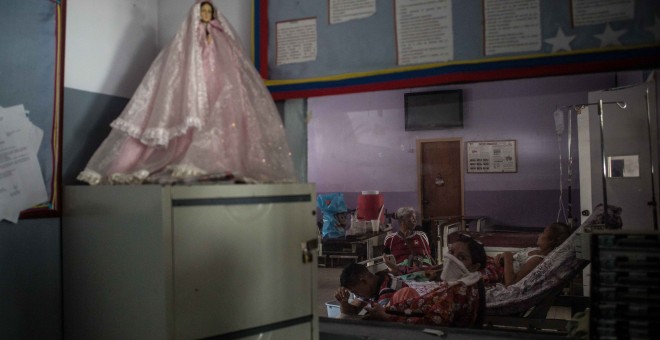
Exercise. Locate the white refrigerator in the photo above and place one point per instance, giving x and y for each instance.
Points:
(189, 262)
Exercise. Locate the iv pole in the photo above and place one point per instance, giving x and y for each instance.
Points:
(578, 108)
(571, 223)
(653, 202)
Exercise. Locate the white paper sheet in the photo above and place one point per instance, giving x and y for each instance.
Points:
(512, 26)
(491, 156)
(21, 182)
(593, 12)
(296, 41)
(424, 31)
(346, 10)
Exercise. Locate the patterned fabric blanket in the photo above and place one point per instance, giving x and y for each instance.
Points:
(423, 287)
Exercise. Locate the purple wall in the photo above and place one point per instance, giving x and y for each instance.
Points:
(357, 142)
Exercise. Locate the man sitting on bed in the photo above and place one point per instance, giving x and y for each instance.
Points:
(368, 287)
(410, 248)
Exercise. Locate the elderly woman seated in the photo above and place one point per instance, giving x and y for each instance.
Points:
(410, 248)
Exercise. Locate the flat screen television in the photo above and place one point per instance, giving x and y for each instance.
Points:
(433, 110)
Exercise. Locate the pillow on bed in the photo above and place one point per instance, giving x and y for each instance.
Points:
(559, 265)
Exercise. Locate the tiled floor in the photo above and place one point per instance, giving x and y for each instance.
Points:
(328, 282)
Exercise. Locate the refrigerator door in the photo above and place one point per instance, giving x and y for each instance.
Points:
(238, 264)
(630, 140)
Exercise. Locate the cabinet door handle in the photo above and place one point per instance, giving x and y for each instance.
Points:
(307, 248)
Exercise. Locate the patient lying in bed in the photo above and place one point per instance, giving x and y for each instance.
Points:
(515, 266)
(550, 275)
(508, 267)
(505, 268)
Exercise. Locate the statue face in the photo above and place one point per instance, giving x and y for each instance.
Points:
(206, 12)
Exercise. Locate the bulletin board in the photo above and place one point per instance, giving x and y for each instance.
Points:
(480, 40)
(31, 74)
(491, 156)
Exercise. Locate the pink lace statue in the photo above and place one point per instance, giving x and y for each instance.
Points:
(201, 111)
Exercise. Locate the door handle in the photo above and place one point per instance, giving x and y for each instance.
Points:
(307, 248)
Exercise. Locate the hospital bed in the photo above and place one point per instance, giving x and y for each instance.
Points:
(525, 304)
(496, 240)
(560, 265)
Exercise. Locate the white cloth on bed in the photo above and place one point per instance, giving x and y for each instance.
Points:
(522, 256)
(453, 272)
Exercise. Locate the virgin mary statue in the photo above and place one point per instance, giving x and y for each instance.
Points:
(201, 111)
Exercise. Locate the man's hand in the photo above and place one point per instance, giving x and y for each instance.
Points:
(394, 269)
(342, 294)
(376, 312)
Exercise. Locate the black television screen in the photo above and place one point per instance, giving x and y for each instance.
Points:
(433, 110)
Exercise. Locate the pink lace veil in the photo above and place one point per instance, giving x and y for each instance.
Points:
(170, 123)
(174, 84)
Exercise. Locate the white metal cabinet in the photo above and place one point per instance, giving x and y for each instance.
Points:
(152, 262)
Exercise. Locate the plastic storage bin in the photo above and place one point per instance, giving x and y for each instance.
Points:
(333, 309)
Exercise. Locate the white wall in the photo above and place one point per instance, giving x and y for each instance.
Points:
(111, 44)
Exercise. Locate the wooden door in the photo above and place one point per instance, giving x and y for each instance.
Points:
(440, 177)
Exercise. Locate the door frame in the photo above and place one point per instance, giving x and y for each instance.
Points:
(420, 142)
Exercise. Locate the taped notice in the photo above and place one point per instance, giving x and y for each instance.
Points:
(21, 182)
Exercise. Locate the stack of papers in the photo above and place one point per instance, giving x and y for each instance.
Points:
(21, 182)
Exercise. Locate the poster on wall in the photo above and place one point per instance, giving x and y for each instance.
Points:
(346, 10)
(512, 26)
(491, 156)
(594, 12)
(424, 31)
(21, 183)
(296, 41)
